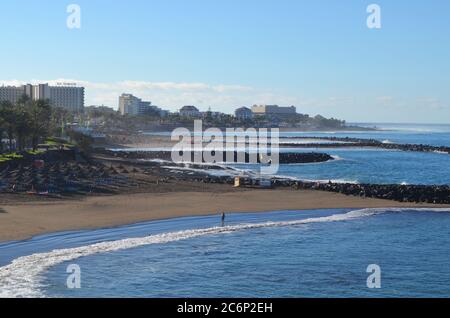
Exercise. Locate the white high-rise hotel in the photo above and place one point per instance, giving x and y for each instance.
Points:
(66, 96)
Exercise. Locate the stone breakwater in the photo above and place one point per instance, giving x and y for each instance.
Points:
(435, 194)
(358, 142)
(431, 194)
(284, 158)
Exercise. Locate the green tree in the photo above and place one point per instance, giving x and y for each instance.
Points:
(22, 126)
(8, 119)
(83, 141)
(2, 129)
(39, 115)
(58, 120)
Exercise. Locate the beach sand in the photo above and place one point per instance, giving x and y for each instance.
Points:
(27, 219)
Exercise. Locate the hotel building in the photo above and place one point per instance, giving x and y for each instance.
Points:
(66, 96)
(134, 106)
(274, 110)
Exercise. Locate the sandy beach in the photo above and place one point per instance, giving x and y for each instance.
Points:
(27, 219)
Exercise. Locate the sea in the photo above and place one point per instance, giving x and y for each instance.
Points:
(385, 252)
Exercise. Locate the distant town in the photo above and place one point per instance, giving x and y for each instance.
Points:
(67, 113)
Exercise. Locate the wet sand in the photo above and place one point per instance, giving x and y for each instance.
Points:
(27, 219)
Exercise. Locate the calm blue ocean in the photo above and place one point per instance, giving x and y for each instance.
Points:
(279, 254)
(377, 165)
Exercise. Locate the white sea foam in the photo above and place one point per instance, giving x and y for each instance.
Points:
(22, 278)
(441, 152)
(311, 141)
(336, 157)
(328, 180)
(224, 172)
(155, 160)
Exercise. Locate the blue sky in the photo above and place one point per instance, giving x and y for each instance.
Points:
(318, 55)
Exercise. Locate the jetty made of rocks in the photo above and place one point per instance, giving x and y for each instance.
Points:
(431, 194)
(242, 157)
(345, 142)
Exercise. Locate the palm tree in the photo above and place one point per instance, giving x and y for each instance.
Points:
(21, 126)
(8, 118)
(2, 130)
(39, 113)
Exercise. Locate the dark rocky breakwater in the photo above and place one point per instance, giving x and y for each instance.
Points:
(434, 194)
(346, 142)
(284, 158)
(431, 194)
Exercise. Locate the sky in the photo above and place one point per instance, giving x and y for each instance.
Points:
(318, 55)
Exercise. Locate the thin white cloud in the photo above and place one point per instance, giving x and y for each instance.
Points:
(227, 97)
(171, 95)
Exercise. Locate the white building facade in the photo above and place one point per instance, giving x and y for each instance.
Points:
(134, 106)
(129, 104)
(190, 111)
(71, 98)
(11, 94)
(274, 111)
(64, 96)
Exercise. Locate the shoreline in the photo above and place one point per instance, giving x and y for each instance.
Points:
(25, 220)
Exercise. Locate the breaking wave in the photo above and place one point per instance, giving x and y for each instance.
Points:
(22, 278)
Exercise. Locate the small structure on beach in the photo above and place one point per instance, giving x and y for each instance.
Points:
(243, 181)
(265, 183)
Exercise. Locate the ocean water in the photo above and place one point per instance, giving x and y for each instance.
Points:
(314, 253)
(436, 135)
(370, 166)
(378, 165)
(322, 253)
(363, 165)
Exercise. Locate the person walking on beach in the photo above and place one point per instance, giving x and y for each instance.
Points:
(223, 219)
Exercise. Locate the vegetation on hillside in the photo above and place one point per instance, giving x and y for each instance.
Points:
(28, 123)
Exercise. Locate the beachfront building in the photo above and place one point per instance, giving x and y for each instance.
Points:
(209, 114)
(243, 113)
(190, 111)
(134, 106)
(129, 104)
(67, 96)
(11, 94)
(274, 111)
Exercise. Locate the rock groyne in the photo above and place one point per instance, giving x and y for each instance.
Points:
(229, 157)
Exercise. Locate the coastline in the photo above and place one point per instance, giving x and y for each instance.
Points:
(24, 220)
